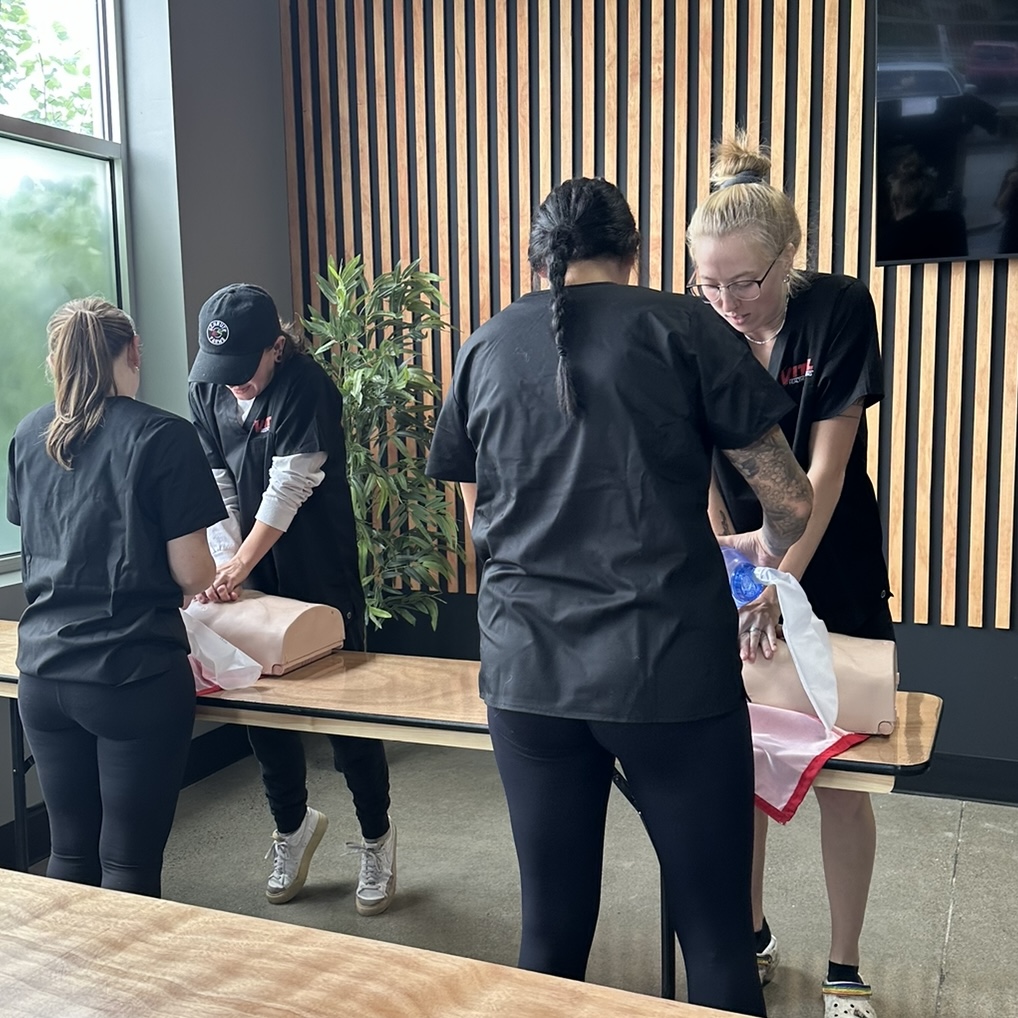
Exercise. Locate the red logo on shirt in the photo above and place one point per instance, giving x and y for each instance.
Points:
(795, 375)
(263, 425)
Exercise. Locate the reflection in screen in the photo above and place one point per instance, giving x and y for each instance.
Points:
(947, 130)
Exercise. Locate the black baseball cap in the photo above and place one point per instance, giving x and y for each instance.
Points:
(235, 327)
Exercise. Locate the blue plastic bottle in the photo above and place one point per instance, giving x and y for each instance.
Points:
(741, 578)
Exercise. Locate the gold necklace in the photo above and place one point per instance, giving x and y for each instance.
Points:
(777, 332)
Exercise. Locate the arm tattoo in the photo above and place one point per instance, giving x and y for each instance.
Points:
(780, 485)
(726, 527)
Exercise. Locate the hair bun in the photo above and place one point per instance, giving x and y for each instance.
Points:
(733, 158)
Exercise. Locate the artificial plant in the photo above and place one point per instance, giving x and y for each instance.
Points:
(370, 344)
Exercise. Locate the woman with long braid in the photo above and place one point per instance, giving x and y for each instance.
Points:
(580, 425)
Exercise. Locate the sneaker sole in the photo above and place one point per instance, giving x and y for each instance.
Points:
(378, 907)
(288, 893)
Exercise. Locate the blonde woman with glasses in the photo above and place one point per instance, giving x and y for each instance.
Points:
(817, 336)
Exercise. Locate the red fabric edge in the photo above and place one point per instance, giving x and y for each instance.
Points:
(783, 815)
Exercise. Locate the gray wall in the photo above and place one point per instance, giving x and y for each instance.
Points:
(207, 194)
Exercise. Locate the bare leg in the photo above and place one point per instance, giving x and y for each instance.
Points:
(848, 839)
(759, 859)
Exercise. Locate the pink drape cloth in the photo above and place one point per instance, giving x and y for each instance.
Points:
(789, 749)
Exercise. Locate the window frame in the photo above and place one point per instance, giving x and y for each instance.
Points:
(109, 150)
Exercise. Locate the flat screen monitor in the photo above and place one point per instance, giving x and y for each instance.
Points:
(947, 130)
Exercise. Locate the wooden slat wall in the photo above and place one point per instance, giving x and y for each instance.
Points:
(431, 129)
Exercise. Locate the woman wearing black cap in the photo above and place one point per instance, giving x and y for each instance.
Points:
(580, 425)
(270, 420)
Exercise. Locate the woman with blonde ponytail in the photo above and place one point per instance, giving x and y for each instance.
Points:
(112, 497)
(579, 425)
(817, 336)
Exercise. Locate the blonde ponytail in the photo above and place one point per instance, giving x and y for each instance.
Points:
(743, 201)
(85, 337)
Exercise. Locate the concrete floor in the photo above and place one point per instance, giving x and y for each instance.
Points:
(941, 939)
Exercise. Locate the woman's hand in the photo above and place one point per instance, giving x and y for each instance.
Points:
(758, 626)
(751, 545)
(226, 586)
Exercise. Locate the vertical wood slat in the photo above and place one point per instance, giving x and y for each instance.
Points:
(1008, 456)
(526, 197)
(779, 86)
(980, 440)
(307, 117)
(611, 91)
(653, 245)
(682, 111)
(383, 210)
(853, 148)
(633, 110)
(461, 261)
(874, 413)
(484, 213)
(804, 110)
(566, 98)
(544, 48)
(504, 254)
(379, 218)
(754, 70)
(364, 160)
(328, 145)
(589, 135)
(703, 101)
(828, 128)
(899, 421)
(347, 207)
(402, 161)
(952, 447)
(924, 447)
(729, 65)
(293, 180)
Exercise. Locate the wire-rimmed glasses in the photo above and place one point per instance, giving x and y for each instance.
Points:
(741, 289)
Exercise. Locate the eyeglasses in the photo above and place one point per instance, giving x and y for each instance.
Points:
(742, 289)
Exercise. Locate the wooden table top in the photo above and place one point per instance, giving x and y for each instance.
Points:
(81, 952)
(435, 700)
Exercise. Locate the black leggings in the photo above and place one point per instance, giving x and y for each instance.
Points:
(110, 761)
(280, 754)
(694, 784)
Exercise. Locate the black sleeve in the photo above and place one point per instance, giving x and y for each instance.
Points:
(849, 355)
(13, 509)
(201, 399)
(295, 416)
(452, 456)
(179, 490)
(741, 402)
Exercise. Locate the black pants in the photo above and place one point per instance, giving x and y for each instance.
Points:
(110, 761)
(694, 784)
(280, 754)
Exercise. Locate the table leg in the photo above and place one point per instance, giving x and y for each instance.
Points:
(20, 768)
(667, 934)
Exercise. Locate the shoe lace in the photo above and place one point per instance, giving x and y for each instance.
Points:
(279, 851)
(372, 868)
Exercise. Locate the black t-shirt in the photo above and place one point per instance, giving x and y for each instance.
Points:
(102, 604)
(826, 357)
(300, 411)
(603, 593)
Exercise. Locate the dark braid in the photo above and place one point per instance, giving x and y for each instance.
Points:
(582, 218)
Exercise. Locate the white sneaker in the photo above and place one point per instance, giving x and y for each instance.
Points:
(291, 856)
(767, 961)
(376, 885)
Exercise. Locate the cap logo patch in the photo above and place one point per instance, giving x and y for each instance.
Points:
(217, 332)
